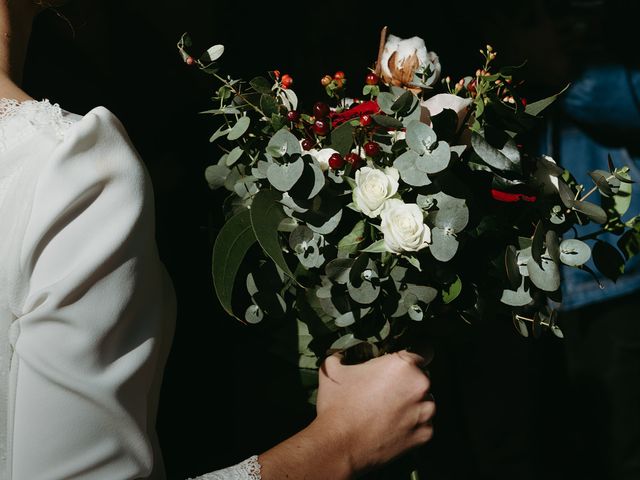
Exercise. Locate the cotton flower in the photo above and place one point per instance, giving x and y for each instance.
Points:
(402, 59)
(436, 104)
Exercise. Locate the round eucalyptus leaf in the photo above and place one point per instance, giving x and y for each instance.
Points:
(436, 160)
(545, 276)
(318, 177)
(516, 298)
(234, 155)
(451, 213)
(260, 170)
(423, 293)
(216, 175)
(406, 161)
(300, 237)
(284, 177)
(253, 314)
(345, 319)
(523, 259)
(283, 142)
(246, 187)
(385, 101)
(420, 137)
(329, 225)
(364, 294)
(574, 252)
(406, 165)
(444, 244)
(338, 270)
(557, 331)
(415, 313)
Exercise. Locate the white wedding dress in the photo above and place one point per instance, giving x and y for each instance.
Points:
(86, 307)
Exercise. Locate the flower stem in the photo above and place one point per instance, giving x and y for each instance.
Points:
(414, 475)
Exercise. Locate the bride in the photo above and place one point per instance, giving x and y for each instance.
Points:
(87, 309)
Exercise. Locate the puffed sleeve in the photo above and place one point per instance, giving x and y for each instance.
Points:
(95, 315)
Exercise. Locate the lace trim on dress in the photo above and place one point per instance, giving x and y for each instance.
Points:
(247, 470)
(19, 120)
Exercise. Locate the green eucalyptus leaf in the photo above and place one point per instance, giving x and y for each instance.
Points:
(521, 327)
(622, 198)
(536, 108)
(261, 85)
(566, 194)
(608, 260)
(329, 224)
(338, 270)
(240, 128)
(268, 104)
(266, 215)
(452, 292)
(387, 121)
(376, 247)
(234, 240)
(574, 252)
(220, 132)
(403, 105)
(342, 138)
(553, 245)
(406, 165)
(285, 142)
(593, 211)
(415, 313)
(511, 266)
(600, 179)
(629, 243)
(491, 155)
(349, 243)
(537, 245)
(451, 213)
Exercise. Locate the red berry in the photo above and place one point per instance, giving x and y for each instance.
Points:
(293, 116)
(326, 80)
(336, 161)
(371, 79)
(338, 75)
(189, 60)
(321, 127)
(286, 81)
(276, 73)
(321, 110)
(307, 144)
(353, 158)
(524, 101)
(372, 149)
(366, 120)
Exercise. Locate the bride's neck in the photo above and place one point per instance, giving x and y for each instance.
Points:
(16, 18)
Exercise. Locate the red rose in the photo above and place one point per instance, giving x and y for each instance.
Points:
(369, 107)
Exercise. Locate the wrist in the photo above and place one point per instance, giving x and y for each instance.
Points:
(334, 440)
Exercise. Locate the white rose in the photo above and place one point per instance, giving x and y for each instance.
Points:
(403, 227)
(322, 156)
(373, 188)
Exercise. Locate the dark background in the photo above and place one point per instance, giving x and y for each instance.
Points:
(502, 400)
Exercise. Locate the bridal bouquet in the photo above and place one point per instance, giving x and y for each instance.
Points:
(363, 218)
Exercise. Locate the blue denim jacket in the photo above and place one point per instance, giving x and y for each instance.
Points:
(600, 115)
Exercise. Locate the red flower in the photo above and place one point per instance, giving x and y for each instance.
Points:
(501, 196)
(369, 107)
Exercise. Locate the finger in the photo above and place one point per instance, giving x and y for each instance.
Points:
(331, 364)
(427, 411)
(413, 358)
